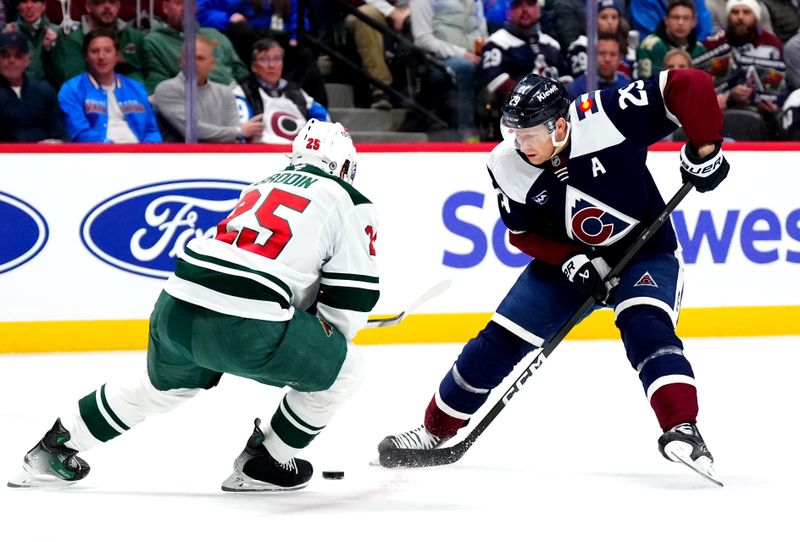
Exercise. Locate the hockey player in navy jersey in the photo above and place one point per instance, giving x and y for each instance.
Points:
(574, 191)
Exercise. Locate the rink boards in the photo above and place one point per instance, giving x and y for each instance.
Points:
(90, 232)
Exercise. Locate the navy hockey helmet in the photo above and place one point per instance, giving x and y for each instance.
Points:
(535, 100)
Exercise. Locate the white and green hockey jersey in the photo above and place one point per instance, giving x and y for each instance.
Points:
(297, 237)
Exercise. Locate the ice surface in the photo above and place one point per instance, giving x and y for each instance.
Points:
(573, 457)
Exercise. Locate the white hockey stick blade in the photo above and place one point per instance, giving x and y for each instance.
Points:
(701, 466)
(396, 319)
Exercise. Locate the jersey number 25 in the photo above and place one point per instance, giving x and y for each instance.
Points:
(277, 230)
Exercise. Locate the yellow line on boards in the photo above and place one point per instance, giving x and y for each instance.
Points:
(694, 322)
(73, 336)
(99, 335)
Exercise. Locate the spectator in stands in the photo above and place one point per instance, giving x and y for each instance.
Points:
(509, 54)
(28, 106)
(450, 29)
(67, 60)
(675, 31)
(40, 32)
(747, 63)
(245, 21)
(217, 116)
(676, 59)
(66, 12)
(609, 21)
(162, 50)
(516, 50)
(283, 106)
(369, 42)
(102, 106)
(609, 53)
(719, 15)
(645, 16)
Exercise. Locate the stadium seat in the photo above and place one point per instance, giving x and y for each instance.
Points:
(744, 125)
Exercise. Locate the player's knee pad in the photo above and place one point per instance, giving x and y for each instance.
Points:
(483, 363)
(348, 381)
(322, 404)
(647, 332)
(301, 416)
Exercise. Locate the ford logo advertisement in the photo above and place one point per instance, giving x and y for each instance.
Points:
(23, 231)
(143, 230)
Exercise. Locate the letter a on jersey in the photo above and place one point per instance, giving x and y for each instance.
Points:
(592, 222)
(597, 167)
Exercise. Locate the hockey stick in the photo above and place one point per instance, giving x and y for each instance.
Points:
(446, 456)
(396, 319)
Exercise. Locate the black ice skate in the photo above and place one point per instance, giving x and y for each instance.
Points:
(684, 444)
(400, 450)
(256, 470)
(50, 463)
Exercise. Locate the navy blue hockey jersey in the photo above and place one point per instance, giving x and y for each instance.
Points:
(597, 190)
(508, 56)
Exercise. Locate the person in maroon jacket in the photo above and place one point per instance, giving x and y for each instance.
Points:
(746, 62)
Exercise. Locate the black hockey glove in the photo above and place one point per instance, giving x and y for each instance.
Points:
(588, 271)
(704, 173)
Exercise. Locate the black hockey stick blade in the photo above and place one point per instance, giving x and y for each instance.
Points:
(451, 454)
(413, 459)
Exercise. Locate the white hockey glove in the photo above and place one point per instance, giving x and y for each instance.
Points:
(588, 271)
(704, 173)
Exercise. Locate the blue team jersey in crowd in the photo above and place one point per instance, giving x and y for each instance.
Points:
(509, 54)
(598, 189)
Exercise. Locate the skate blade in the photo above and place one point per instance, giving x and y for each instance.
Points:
(679, 456)
(241, 483)
(25, 479)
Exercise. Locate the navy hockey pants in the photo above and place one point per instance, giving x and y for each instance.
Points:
(646, 304)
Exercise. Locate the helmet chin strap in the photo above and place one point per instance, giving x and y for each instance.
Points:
(559, 144)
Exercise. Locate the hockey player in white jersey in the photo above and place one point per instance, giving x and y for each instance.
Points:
(275, 296)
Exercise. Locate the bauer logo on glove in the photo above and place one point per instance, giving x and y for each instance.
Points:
(704, 173)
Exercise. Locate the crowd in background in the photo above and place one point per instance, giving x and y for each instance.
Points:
(98, 71)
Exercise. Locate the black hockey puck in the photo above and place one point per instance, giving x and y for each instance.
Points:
(333, 474)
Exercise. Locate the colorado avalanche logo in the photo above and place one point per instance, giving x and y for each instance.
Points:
(285, 124)
(143, 230)
(593, 223)
(23, 230)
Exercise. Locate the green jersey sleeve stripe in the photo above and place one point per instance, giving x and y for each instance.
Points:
(233, 285)
(354, 299)
(351, 276)
(223, 263)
